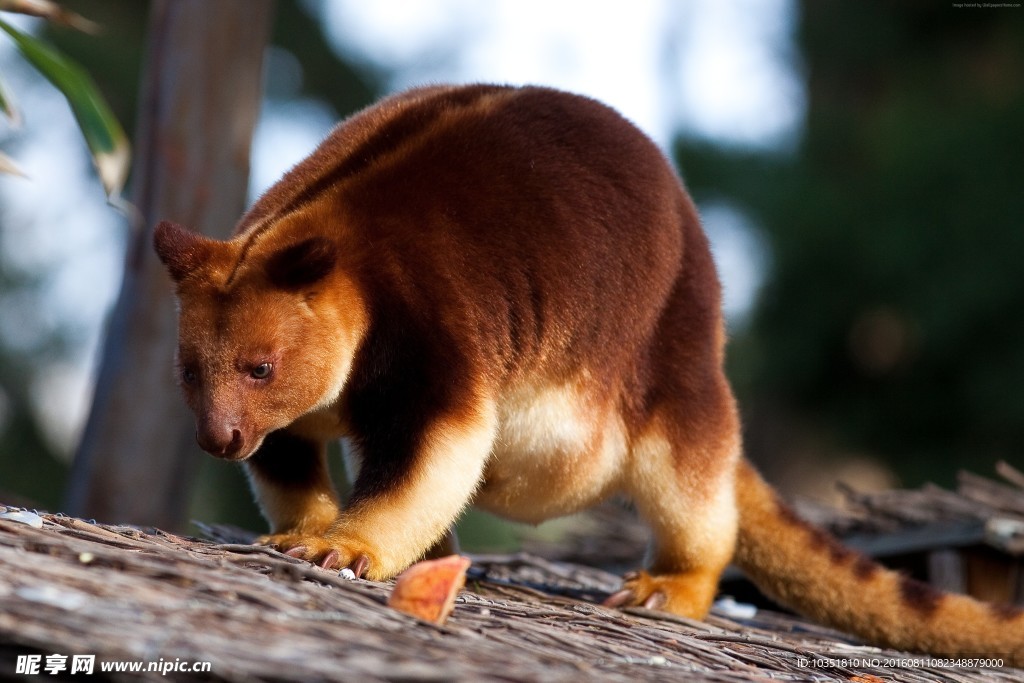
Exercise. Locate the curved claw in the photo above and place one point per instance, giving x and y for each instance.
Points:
(360, 565)
(298, 551)
(619, 599)
(656, 601)
(631, 576)
(330, 559)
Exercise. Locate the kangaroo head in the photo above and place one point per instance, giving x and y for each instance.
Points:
(267, 330)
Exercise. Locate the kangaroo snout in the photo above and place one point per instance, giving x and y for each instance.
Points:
(219, 438)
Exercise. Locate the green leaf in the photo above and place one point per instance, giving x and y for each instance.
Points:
(7, 105)
(102, 132)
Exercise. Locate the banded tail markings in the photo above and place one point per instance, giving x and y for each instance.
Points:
(809, 571)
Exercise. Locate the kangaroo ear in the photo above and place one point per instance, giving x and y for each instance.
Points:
(180, 249)
(302, 264)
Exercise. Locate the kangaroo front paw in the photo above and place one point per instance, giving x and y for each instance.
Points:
(329, 552)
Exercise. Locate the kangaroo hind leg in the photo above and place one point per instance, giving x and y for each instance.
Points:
(681, 478)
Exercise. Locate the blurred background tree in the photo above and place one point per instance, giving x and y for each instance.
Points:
(199, 99)
(891, 320)
(888, 325)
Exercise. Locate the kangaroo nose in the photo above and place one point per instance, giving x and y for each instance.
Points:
(222, 441)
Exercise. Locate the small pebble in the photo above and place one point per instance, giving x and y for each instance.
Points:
(735, 610)
(347, 573)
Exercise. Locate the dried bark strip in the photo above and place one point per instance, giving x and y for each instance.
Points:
(127, 594)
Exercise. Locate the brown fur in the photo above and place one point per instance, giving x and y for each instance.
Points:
(504, 297)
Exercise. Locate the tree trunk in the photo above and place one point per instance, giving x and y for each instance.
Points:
(200, 97)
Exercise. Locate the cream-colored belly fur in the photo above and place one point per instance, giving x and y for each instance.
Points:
(557, 451)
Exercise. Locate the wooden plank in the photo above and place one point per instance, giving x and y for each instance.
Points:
(946, 570)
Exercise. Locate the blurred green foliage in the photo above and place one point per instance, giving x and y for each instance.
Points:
(100, 128)
(891, 322)
(30, 470)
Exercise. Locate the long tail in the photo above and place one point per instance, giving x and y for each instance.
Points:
(809, 571)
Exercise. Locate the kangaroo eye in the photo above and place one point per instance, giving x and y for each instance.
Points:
(188, 376)
(261, 371)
